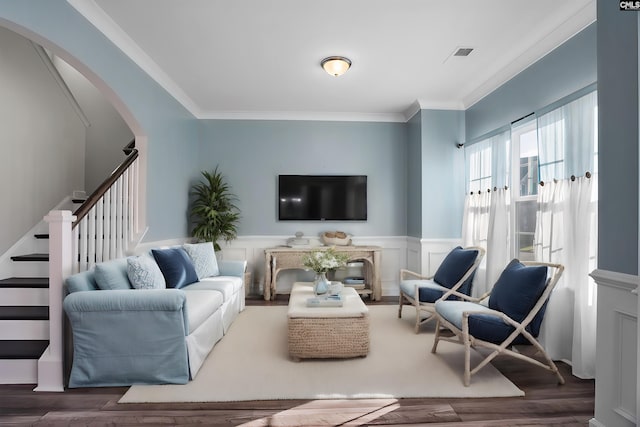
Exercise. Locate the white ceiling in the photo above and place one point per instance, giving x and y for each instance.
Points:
(260, 59)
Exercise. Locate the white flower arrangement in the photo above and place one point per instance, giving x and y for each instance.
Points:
(322, 261)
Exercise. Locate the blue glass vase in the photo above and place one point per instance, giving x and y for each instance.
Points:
(321, 284)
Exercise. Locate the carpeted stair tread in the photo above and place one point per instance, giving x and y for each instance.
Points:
(25, 282)
(24, 312)
(31, 257)
(22, 349)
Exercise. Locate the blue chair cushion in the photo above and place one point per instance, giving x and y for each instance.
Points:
(428, 290)
(176, 267)
(452, 311)
(454, 266)
(492, 329)
(485, 327)
(517, 290)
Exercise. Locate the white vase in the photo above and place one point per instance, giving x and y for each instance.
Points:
(321, 284)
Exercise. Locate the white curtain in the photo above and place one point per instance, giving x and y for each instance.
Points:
(566, 230)
(486, 216)
(567, 139)
(566, 233)
(498, 240)
(475, 227)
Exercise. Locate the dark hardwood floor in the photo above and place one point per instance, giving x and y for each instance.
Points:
(545, 403)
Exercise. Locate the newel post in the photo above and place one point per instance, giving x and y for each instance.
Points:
(51, 363)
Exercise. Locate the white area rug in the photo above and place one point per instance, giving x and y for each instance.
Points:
(251, 363)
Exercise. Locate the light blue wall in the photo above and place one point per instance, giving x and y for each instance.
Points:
(251, 154)
(406, 196)
(442, 173)
(618, 138)
(568, 68)
(172, 131)
(414, 176)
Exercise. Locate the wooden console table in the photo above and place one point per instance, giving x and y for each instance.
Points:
(286, 258)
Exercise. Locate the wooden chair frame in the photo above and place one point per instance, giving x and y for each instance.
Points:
(428, 307)
(463, 337)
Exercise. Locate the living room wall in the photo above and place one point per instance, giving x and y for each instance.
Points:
(251, 154)
(618, 228)
(567, 69)
(442, 173)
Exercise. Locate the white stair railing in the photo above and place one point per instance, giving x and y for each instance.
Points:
(104, 229)
(99, 230)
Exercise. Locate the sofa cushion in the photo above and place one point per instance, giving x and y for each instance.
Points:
(112, 275)
(228, 285)
(201, 304)
(144, 273)
(84, 281)
(176, 267)
(204, 260)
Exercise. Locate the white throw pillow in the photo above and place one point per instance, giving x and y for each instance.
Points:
(144, 273)
(204, 259)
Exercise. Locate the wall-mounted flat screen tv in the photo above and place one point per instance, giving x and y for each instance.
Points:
(322, 197)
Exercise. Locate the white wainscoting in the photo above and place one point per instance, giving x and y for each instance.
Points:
(617, 350)
(421, 255)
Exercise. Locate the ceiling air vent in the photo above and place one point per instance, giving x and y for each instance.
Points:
(463, 51)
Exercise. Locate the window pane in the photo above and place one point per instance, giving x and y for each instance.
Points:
(525, 228)
(528, 163)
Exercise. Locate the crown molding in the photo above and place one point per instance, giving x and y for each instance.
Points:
(304, 115)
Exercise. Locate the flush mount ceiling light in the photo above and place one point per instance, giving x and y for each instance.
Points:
(336, 65)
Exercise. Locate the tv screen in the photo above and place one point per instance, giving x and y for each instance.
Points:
(322, 197)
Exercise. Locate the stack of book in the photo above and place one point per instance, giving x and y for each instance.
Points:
(354, 282)
(325, 301)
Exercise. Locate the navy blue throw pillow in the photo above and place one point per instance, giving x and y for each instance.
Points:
(518, 289)
(454, 266)
(176, 266)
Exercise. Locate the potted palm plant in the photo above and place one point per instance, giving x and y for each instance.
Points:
(213, 210)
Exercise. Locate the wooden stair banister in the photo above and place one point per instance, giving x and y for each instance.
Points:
(91, 201)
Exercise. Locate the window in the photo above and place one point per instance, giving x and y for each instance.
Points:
(486, 163)
(550, 146)
(479, 167)
(524, 189)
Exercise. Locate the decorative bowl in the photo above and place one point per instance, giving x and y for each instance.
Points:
(336, 238)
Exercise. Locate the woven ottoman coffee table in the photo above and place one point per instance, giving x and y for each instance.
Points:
(327, 332)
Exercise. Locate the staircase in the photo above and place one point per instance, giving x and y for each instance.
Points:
(24, 307)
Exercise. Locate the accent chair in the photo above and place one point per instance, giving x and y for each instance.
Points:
(453, 280)
(513, 316)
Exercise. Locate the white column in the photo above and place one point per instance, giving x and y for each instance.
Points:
(51, 363)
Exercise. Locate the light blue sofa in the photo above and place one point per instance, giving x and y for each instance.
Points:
(124, 336)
